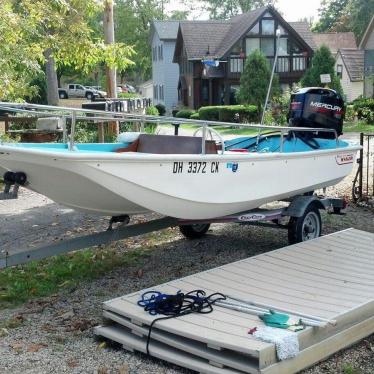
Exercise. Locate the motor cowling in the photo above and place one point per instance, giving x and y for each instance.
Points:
(317, 107)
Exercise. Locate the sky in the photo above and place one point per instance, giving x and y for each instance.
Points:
(292, 10)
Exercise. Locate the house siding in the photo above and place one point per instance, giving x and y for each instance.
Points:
(165, 73)
(351, 90)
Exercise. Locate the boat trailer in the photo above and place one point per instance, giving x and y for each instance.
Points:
(300, 217)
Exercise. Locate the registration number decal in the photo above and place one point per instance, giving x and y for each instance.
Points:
(344, 159)
(196, 167)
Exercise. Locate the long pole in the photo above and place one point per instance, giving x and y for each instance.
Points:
(110, 72)
(278, 34)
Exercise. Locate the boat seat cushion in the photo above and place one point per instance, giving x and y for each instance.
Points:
(169, 144)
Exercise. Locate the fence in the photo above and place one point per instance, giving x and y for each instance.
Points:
(363, 184)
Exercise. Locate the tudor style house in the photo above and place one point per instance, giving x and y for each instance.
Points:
(165, 73)
(227, 43)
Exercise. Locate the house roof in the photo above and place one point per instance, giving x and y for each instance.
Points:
(367, 34)
(166, 30)
(353, 60)
(220, 36)
(303, 29)
(335, 40)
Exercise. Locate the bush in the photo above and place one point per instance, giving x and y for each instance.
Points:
(209, 113)
(364, 109)
(195, 116)
(151, 111)
(161, 109)
(229, 113)
(174, 112)
(128, 95)
(185, 113)
(350, 113)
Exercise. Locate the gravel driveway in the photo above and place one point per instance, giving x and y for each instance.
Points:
(55, 334)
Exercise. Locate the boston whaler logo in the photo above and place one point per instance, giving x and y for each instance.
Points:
(325, 106)
(233, 166)
(344, 159)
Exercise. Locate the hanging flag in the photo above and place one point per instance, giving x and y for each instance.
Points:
(214, 63)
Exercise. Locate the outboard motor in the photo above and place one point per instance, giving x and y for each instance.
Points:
(317, 107)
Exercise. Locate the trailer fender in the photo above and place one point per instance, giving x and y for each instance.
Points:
(299, 204)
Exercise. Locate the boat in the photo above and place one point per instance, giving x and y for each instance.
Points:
(170, 175)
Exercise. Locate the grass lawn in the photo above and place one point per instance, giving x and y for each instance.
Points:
(358, 127)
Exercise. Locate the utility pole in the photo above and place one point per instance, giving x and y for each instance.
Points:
(111, 83)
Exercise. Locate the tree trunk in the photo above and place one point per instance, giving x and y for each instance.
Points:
(51, 75)
(110, 72)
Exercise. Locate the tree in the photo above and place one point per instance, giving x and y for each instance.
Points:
(223, 9)
(329, 14)
(19, 59)
(345, 15)
(254, 81)
(323, 62)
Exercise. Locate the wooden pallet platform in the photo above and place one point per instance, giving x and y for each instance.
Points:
(330, 277)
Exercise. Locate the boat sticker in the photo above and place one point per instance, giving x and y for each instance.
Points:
(251, 217)
(344, 159)
(196, 167)
(233, 166)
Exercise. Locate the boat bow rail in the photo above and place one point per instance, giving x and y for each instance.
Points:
(89, 115)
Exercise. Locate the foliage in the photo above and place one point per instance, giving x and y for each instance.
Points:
(151, 111)
(161, 109)
(255, 79)
(127, 95)
(323, 62)
(45, 277)
(345, 15)
(133, 21)
(364, 109)
(195, 116)
(350, 113)
(40, 84)
(229, 113)
(223, 9)
(185, 113)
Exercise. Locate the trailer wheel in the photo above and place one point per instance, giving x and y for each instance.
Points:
(194, 231)
(306, 227)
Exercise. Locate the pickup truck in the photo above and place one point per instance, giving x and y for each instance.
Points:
(78, 90)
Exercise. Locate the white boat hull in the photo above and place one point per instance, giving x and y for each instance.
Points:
(181, 186)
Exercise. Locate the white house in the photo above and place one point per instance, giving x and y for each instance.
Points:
(146, 89)
(367, 45)
(349, 66)
(165, 73)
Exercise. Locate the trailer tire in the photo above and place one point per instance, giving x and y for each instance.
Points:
(194, 231)
(306, 227)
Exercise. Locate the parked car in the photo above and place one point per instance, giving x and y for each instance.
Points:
(130, 88)
(78, 90)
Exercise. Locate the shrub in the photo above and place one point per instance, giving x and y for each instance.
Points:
(350, 113)
(151, 111)
(195, 116)
(229, 113)
(209, 113)
(128, 95)
(364, 109)
(161, 109)
(174, 112)
(238, 113)
(185, 113)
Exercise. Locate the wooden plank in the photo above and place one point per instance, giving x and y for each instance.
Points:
(324, 349)
(317, 272)
(281, 289)
(323, 263)
(291, 283)
(184, 326)
(362, 290)
(227, 358)
(161, 351)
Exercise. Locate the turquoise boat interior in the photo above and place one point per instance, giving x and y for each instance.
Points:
(266, 143)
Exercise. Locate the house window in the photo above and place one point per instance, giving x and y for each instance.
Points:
(267, 47)
(155, 92)
(255, 30)
(267, 26)
(283, 47)
(161, 91)
(282, 30)
(251, 44)
(162, 52)
(236, 64)
(339, 71)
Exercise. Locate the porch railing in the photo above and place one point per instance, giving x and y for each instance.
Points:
(285, 64)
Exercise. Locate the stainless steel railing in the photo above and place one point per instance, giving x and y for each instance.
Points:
(90, 115)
